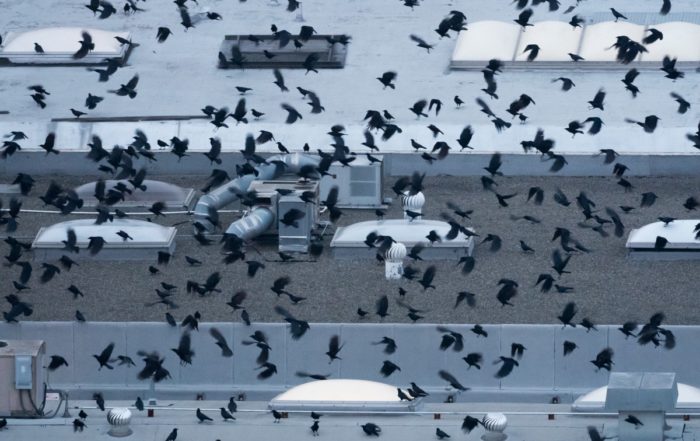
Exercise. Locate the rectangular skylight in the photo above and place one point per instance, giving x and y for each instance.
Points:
(505, 41)
(59, 44)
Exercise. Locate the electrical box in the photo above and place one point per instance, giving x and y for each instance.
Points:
(23, 372)
(22, 377)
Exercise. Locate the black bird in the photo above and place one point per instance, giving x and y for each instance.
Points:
(172, 436)
(387, 79)
(128, 89)
(604, 359)
(389, 345)
(568, 315)
(92, 100)
(628, 81)
(507, 367)
(428, 276)
(683, 105)
(648, 199)
(104, 358)
(38, 49)
(99, 400)
(665, 7)
(225, 414)
(494, 165)
(78, 425)
(628, 329)
(440, 433)
(594, 435)
(371, 429)
(566, 83)
(451, 380)
(334, 348)
(421, 43)
(220, 341)
(279, 80)
(469, 423)
(418, 108)
(569, 347)
(56, 362)
(649, 124)
(524, 18)
(598, 100)
(465, 138)
(184, 350)
(201, 416)
(86, 45)
(617, 15)
(473, 359)
(276, 415)
(654, 35)
(534, 50)
(49, 144)
(291, 217)
(388, 368)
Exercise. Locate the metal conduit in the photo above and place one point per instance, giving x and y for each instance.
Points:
(261, 218)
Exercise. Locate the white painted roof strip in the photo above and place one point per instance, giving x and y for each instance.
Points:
(667, 140)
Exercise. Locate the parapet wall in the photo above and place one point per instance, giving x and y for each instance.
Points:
(544, 371)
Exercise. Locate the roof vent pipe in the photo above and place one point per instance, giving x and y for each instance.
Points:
(413, 203)
(393, 261)
(227, 193)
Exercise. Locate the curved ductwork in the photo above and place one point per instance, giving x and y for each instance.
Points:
(261, 217)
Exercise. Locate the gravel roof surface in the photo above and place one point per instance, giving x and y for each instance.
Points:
(608, 288)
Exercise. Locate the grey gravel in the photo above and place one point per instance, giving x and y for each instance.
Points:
(609, 288)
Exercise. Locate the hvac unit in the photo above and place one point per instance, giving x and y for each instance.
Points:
(359, 185)
(22, 378)
(296, 238)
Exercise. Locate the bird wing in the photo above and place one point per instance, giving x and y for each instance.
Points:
(278, 77)
(107, 353)
(185, 343)
(133, 82)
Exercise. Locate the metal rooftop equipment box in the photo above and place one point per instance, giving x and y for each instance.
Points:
(22, 377)
(249, 52)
